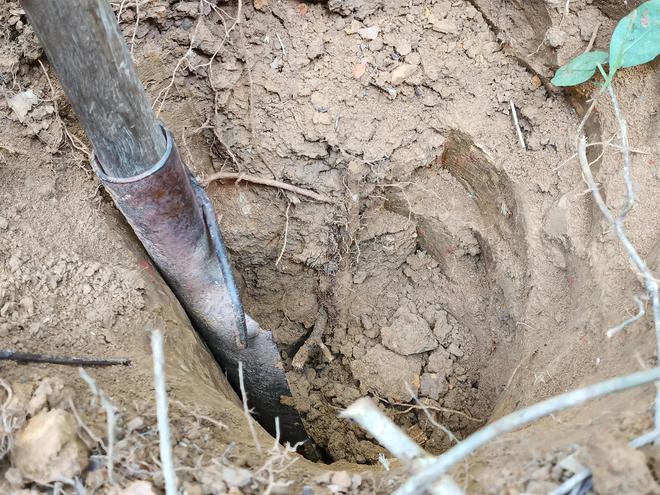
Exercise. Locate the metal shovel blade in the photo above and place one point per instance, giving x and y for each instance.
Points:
(176, 224)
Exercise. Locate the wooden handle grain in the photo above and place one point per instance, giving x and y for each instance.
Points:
(83, 43)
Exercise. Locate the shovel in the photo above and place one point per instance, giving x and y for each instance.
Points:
(136, 159)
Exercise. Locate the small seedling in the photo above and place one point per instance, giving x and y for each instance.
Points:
(635, 41)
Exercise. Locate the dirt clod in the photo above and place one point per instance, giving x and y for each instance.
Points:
(616, 467)
(402, 72)
(138, 488)
(408, 334)
(48, 448)
(387, 373)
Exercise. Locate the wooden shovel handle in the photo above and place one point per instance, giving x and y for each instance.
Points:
(89, 55)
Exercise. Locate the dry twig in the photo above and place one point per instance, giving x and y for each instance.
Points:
(83, 425)
(593, 38)
(365, 413)
(164, 437)
(617, 223)
(441, 464)
(279, 461)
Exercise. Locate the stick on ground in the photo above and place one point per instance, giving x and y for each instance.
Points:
(365, 413)
(28, 357)
(166, 462)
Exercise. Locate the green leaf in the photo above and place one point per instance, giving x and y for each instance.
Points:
(636, 39)
(580, 69)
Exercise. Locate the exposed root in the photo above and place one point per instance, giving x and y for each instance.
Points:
(110, 417)
(200, 417)
(368, 416)
(286, 234)
(75, 142)
(246, 409)
(313, 342)
(446, 410)
(238, 177)
(7, 422)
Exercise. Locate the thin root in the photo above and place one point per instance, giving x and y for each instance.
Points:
(238, 177)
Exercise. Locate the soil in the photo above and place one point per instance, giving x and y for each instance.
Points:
(453, 266)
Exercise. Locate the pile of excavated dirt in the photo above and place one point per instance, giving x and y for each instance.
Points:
(451, 266)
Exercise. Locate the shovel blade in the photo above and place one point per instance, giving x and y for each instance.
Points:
(163, 208)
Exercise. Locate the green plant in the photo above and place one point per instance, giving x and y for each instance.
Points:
(635, 41)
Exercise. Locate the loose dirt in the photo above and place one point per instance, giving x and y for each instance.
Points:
(453, 265)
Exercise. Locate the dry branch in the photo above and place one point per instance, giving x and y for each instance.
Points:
(617, 223)
(365, 413)
(440, 465)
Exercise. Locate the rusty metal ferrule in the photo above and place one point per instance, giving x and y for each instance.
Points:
(171, 215)
(166, 196)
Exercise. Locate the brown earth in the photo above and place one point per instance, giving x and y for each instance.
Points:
(451, 261)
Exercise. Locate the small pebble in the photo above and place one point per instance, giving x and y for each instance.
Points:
(413, 59)
(315, 48)
(403, 47)
(369, 33)
(402, 72)
(455, 350)
(342, 480)
(376, 45)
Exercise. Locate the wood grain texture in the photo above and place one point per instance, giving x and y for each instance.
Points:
(84, 45)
